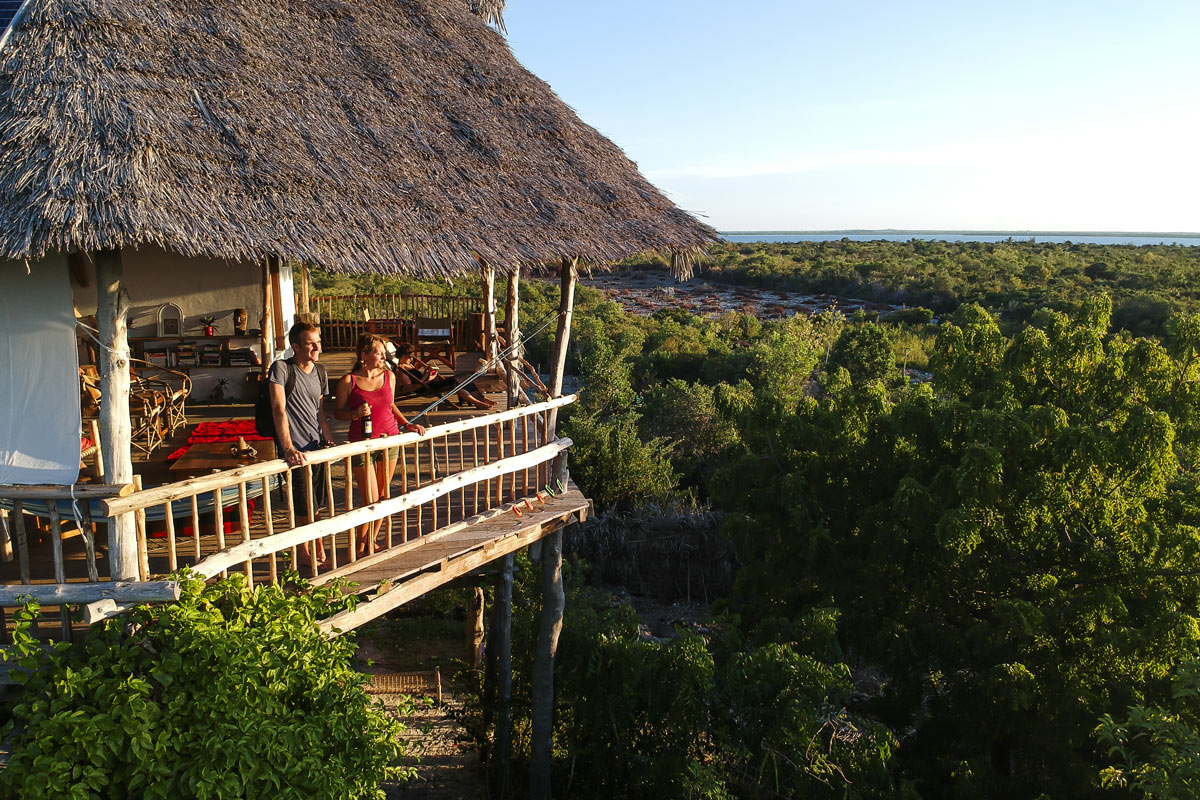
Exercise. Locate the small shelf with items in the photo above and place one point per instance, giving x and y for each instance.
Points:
(186, 352)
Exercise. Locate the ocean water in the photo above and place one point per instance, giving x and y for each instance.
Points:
(1138, 239)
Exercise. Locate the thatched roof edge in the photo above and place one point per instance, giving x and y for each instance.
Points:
(356, 135)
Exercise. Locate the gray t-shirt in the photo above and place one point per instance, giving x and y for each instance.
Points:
(303, 405)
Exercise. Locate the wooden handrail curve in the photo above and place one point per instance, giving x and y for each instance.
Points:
(257, 548)
(232, 477)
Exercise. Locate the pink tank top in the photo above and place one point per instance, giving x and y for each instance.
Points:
(383, 422)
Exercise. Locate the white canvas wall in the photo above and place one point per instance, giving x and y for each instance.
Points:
(39, 375)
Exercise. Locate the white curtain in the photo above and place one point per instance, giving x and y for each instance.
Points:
(39, 375)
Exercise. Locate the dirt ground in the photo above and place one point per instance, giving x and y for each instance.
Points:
(447, 768)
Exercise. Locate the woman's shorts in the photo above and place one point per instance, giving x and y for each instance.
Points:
(393, 453)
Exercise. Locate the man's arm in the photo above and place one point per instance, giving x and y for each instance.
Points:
(284, 433)
(323, 419)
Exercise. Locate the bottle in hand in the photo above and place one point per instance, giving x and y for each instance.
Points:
(367, 428)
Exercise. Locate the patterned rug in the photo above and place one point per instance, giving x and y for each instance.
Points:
(220, 432)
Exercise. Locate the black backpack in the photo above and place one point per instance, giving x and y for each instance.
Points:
(264, 420)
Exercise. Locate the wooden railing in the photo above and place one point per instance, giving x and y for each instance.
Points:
(239, 520)
(342, 315)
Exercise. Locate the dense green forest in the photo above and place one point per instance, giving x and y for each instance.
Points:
(1012, 278)
(980, 585)
(977, 581)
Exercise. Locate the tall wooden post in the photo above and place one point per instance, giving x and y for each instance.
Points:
(112, 307)
(488, 272)
(502, 642)
(553, 597)
(304, 290)
(567, 274)
(474, 629)
(277, 303)
(265, 338)
(549, 627)
(513, 367)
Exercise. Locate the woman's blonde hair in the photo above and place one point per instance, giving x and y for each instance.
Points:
(366, 343)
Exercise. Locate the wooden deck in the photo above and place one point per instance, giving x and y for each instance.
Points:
(421, 548)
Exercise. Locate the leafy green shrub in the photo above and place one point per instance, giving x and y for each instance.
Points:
(229, 693)
(1157, 749)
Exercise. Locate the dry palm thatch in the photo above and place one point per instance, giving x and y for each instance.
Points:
(357, 135)
(490, 11)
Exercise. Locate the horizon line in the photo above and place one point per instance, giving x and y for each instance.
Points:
(969, 231)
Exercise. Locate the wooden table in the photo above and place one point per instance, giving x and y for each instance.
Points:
(206, 457)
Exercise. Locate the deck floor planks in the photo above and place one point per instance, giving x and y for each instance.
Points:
(482, 536)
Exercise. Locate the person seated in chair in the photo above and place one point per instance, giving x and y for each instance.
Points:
(414, 376)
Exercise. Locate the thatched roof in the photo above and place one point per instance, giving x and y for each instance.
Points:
(380, 135)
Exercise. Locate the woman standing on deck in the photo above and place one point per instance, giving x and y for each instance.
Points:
(367, 390)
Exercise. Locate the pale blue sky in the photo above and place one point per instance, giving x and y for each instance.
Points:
(803, 115)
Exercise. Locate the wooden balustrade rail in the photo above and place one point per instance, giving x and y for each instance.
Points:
(342, 315)
(235, 520)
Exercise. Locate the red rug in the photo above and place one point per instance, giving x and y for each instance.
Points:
(220, 432)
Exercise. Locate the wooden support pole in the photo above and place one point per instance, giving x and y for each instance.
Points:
(549, 628)
(511, 308)
(112, 308)
(488, 273)
(502, 642)
(304, 290)
(277, 303)
(475, 627)
(567, 273)
(265, 333)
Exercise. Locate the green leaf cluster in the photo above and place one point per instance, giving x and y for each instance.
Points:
(229, 693)
(1015, 542)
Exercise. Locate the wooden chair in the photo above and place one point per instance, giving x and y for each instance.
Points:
(435, 339)
(89, 391)
(152, 403)
(175, 385)
(406, 332)
(147, 416)
(90, 448)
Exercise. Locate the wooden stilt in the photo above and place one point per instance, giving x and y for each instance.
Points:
(549, 628)
(112, 307)
(502, 642)
(553, 596)
(475, 627)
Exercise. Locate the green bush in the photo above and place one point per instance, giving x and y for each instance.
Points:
(229, 693)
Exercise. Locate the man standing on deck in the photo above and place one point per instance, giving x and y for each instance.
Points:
(298, 386)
